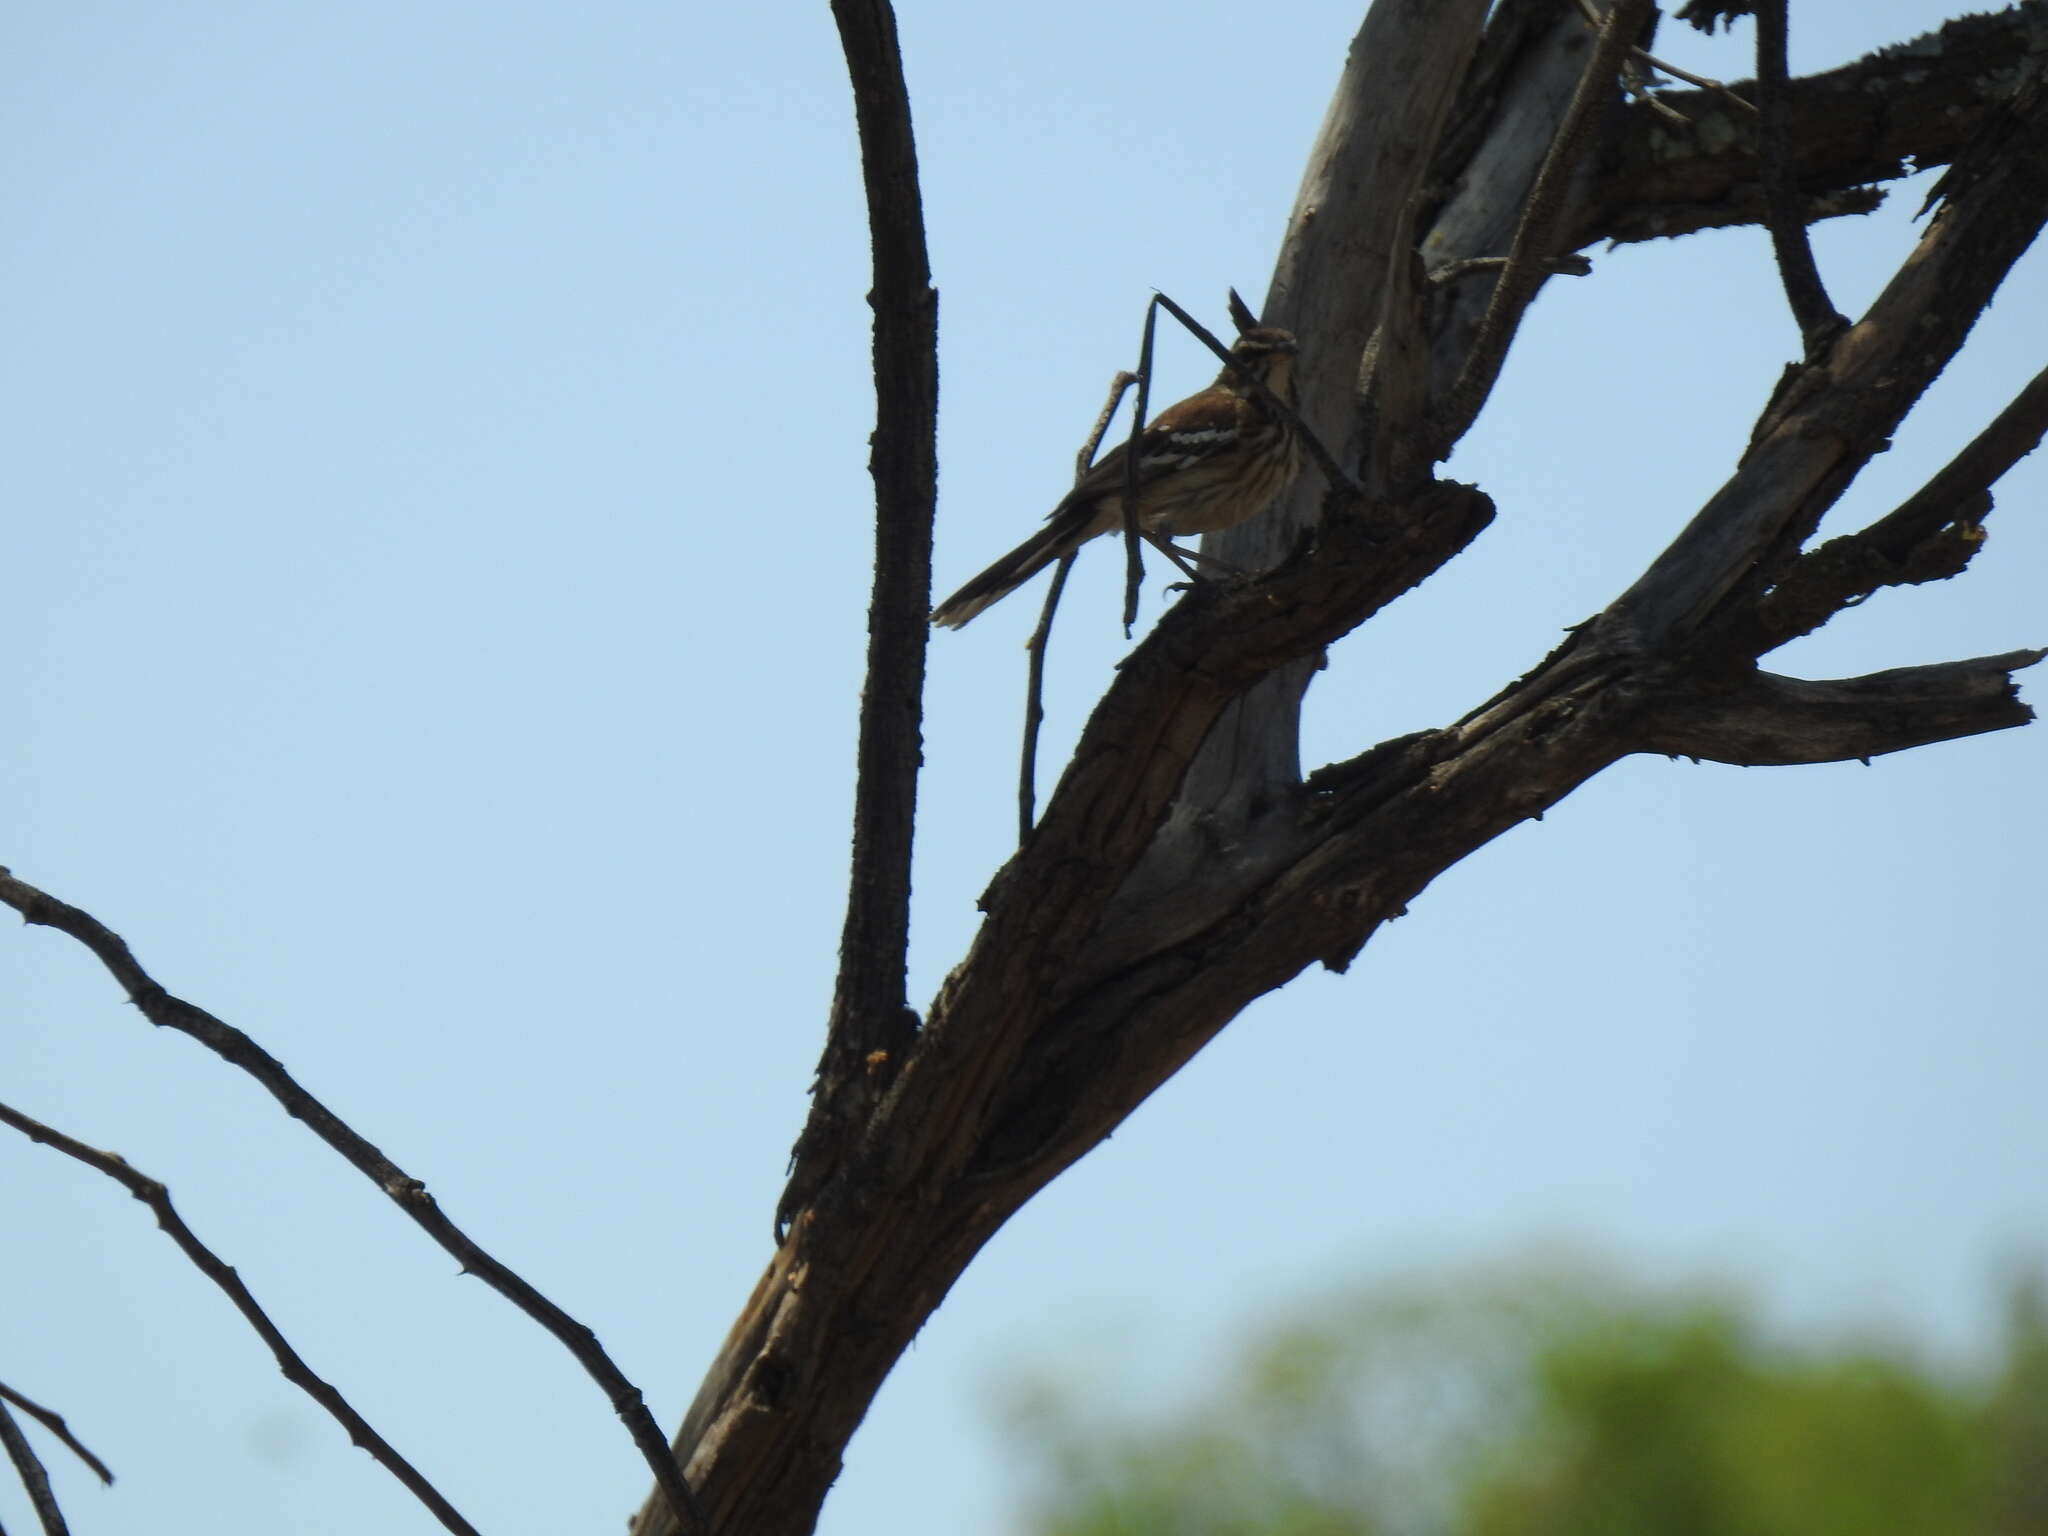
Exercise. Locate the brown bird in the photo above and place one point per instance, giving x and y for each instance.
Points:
(1217, 459)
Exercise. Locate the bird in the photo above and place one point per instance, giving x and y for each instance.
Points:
(1211, 461)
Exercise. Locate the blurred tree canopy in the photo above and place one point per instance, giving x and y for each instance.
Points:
(1552, 1401)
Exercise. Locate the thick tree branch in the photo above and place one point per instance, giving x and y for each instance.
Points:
(1898, 110)
(1770, 720)
(860, 1272)
(1930, 536)
(1375, 147)
(1818, 433)
(154, 1195)
(871, 1023)
(405, 1191)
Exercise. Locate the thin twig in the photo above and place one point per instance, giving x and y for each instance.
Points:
(154, 1195)
(35, 1479)
(1084, 457)
(53, 1421)
(1322, 456)
(1034, 685)
(1815, 313)
(1537, 233)
(1134, 562)
(1034, 699)
(1702, 81)
(1593, 19)
(408, 1193)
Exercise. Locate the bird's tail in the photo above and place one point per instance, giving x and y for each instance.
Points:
(1064, 532)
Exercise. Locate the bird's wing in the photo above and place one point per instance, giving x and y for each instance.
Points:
(1178, 438)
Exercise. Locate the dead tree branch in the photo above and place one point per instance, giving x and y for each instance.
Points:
(54, 1423)
(34, 1477)
(405, 1191)
(1930, 536)
(1769, 720)
(871, 1023)
(1817, 435)
(153, 1194)
(1903, 108)
(1374, 152)
(1041, 636)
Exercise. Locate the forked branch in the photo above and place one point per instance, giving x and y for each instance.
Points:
(154, 1195)
(34, 1478)
(54, 1423)
(405, 1191)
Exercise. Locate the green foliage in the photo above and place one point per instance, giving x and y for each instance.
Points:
(1558, 1404)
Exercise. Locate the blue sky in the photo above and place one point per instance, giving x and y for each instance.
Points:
(437, 568)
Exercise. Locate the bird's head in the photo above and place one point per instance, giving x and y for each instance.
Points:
(1268, 352)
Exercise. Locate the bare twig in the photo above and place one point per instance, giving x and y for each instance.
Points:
(1134, 561)
(1084, 457)
(1704, 82)
(1639, 83)
(1034, 698)
(35, 1479)
(154, 1195)
(405, 1191)
(54, 1423)
(1593, 19)
(1818, 320)
(1537, 235)
(1034, 648)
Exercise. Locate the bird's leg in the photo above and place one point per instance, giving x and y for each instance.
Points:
(1180, 556)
